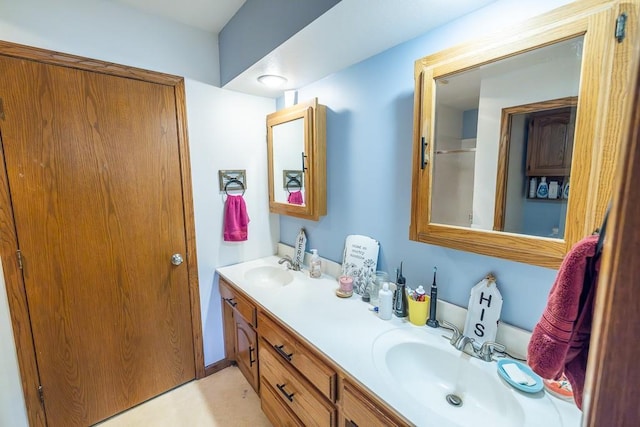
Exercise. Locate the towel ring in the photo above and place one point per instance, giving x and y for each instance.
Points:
(236, 181)
(295, 181)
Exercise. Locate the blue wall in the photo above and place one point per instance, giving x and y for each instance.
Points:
(369, 149)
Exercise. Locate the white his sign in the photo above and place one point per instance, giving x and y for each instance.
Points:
(485, 305)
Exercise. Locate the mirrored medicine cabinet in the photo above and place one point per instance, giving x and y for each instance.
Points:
(516, 135)
(296, 147)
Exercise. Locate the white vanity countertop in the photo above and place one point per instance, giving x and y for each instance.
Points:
(345, 329)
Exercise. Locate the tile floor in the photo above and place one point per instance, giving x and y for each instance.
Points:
(224, 399)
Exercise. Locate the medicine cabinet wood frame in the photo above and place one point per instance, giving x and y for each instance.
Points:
(315, 175)
(603, 104)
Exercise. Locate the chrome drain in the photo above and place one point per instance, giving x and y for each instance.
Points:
(454, 400)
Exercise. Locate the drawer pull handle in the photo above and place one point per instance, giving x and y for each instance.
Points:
(231, 302)
(282, 390)
(283, 353)
(252, 360)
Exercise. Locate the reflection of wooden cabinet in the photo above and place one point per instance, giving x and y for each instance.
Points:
(550, 142)
(240, 338)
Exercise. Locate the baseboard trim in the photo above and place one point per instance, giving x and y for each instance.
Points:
(217, 366)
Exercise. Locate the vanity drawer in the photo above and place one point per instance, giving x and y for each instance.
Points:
(274, 408)
(292, 352)
(294, 391)
(359, 410)
(238, 302)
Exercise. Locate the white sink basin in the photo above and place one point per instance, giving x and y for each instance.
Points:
(427, 369)
(269, 276)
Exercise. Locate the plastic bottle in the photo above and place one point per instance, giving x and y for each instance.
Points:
(533, 187)
(385, 302)
(315, 267)
(543, 188)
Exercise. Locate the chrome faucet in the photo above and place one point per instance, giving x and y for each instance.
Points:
(457, 340)
(290, 263)
(460, 342)
(487, 349)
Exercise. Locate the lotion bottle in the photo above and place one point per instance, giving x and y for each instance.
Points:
(315, 267)
(385, 302)
(543, 189)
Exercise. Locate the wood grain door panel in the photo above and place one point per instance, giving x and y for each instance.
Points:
(94, 173)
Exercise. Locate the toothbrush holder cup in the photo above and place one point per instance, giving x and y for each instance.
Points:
(418, 311)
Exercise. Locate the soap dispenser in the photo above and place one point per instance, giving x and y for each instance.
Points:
(315, 266)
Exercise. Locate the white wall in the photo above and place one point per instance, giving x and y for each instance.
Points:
(112, 32)
(226, 131)
(12, 409)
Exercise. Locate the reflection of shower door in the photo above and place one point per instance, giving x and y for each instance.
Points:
(453, 187)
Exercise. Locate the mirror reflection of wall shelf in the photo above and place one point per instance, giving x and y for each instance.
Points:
(232, 180)
(565, 60)
(296, 147)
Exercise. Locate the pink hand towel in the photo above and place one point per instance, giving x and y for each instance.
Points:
(295, 198)
(235, 219)
(560, 340)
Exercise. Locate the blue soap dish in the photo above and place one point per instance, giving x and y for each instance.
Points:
(539, 385)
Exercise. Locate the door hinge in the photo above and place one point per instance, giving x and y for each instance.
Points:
(19, 254)
(621, 27)
(41, 394)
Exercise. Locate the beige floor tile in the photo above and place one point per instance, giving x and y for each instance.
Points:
(224, 399)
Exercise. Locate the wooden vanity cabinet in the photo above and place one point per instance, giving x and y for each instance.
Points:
(297, 384)
(240, 337)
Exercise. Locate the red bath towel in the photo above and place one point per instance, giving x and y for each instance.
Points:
(236, 219)
(560, 340)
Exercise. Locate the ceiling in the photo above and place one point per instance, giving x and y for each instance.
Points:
(346, 34)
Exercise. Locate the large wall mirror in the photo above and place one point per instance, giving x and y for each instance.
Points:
(515, 137)
(297, 160)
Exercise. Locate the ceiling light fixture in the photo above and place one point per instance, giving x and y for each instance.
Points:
(272, 80)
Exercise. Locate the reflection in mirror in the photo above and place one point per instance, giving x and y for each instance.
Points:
(507, 171)
(288, 158)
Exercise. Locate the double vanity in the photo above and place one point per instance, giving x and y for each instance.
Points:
(316, 359)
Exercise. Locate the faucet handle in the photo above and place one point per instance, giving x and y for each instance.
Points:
(456, 332)
(487, 349)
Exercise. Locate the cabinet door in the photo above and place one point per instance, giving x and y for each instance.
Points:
(229, 326)
(247, 351)
(550, 143)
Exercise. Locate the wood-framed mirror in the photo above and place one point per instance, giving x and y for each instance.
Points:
(496, 118)
(296, 153)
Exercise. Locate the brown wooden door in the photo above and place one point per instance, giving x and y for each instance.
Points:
(94, 173)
